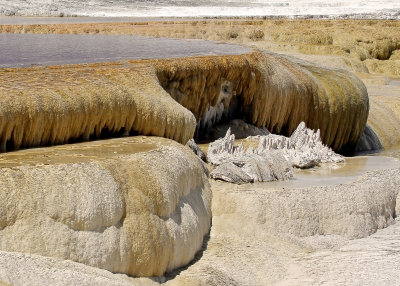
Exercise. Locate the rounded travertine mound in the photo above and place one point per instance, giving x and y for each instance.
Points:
(384, 118)
(134, 206)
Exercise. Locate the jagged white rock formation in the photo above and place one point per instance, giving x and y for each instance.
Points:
(137, 205)
(248, 168)
(229, 172)
(271, 159)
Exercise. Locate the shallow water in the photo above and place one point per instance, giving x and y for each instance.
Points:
(79, 152)
(333, 174)
(21, 50)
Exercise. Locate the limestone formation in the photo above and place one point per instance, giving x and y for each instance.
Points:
(235, 165)
(54, 105)
(353, 210)
(263, 236)
(272, 158)
(384, 118)
(305, 149)
(137, 205)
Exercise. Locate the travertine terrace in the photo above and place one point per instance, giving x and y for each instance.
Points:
(171, 97)
(363, 46)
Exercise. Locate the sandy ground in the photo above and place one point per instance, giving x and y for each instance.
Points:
(336, 234)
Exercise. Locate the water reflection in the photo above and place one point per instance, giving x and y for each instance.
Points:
(21, 50)
(333, 174)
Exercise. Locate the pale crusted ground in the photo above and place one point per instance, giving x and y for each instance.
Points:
(274, 236)
(373, 260)
(28, 269)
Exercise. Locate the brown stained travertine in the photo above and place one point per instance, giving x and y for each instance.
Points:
(51, 105)
(274, 92)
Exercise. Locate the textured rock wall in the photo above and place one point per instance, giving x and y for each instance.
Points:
(137, 213)
(52, 105)
(270, 91)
